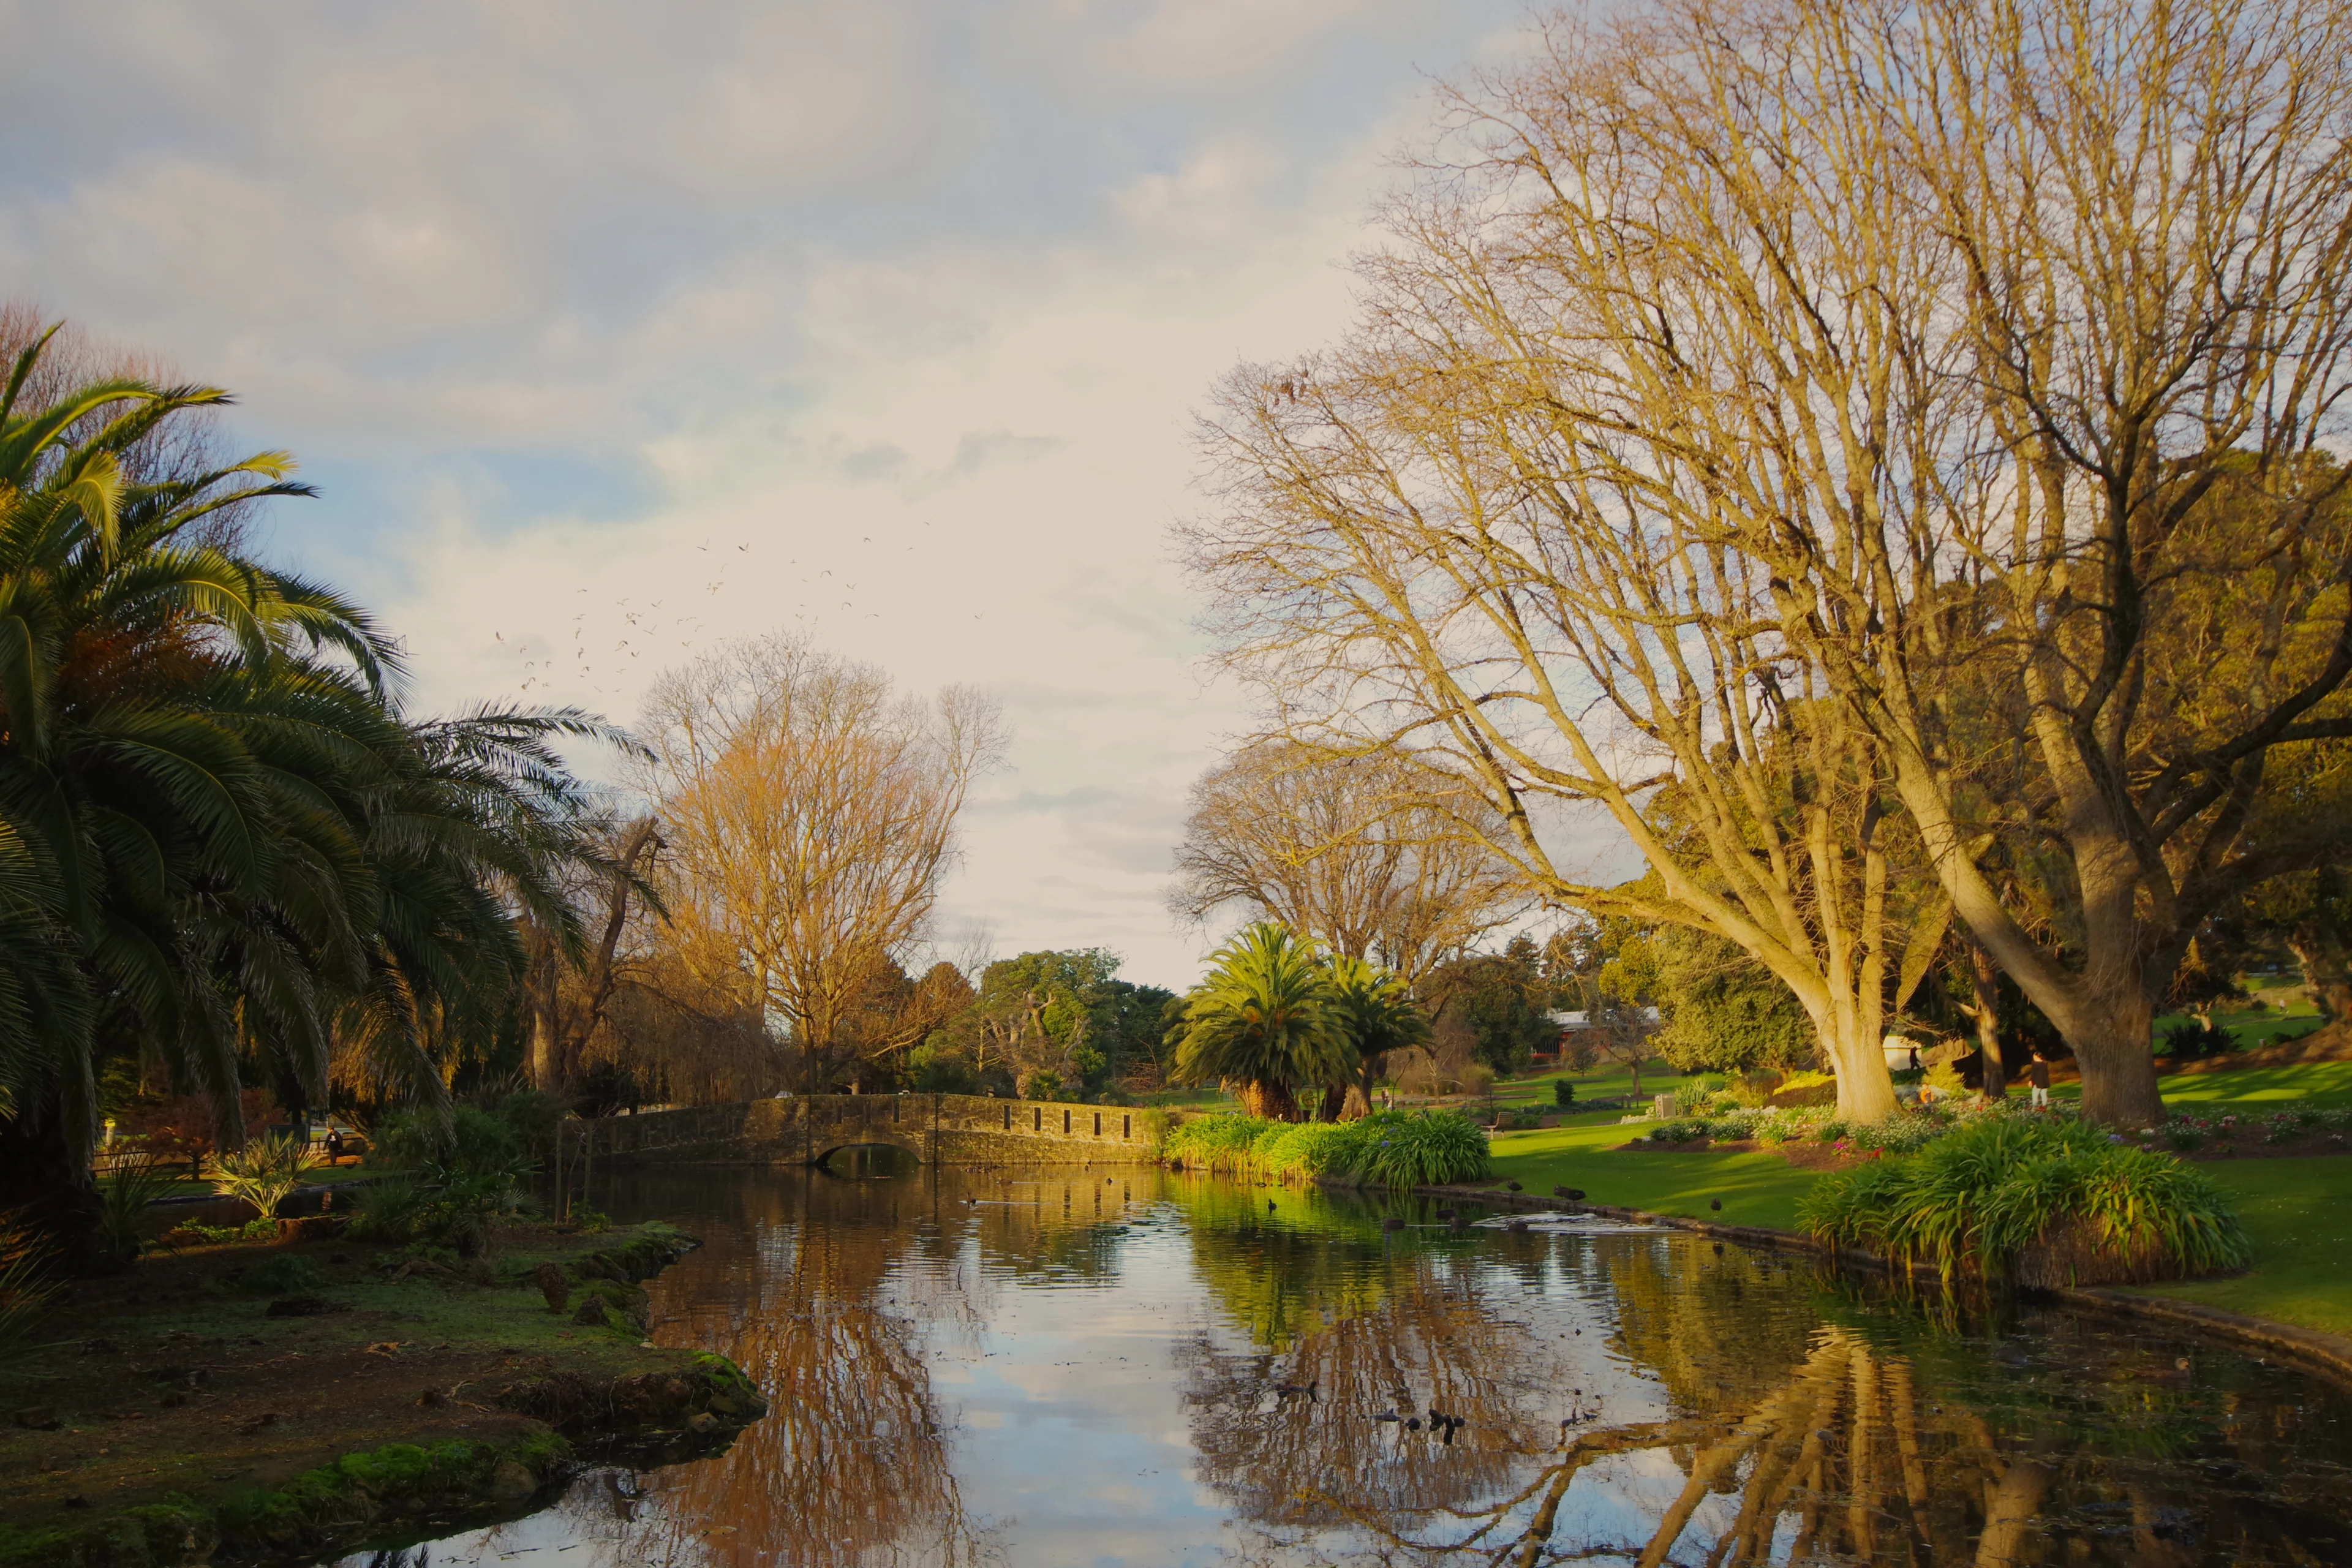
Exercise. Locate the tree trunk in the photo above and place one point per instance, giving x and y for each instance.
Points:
(2111, 1051)
(2326, 976)
(1269, 1101)
(1864, 1091)
(1984, 980)
(48, 1187)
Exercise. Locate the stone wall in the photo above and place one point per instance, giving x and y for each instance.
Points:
(938, 1129)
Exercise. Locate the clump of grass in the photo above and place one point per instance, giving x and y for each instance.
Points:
(1220, 1142)
(1416, 1148)
(1987, 1193)
(1388, 1148)
(122, 1201)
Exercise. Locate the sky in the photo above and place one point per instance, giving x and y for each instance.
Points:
(610, 331)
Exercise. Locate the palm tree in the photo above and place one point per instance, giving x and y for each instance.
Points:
(1379, 1014)
(220, 841)
(1266, 1017)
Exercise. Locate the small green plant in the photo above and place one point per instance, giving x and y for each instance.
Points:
(1043, 1084)
(1946, 1080)
(588, 1221)
(122, 1201)
(264, 1172)
(281, 1276)
(1563, 1093)
(1416, 1148)
(220, 1235)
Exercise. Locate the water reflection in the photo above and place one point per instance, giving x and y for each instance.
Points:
(1070, 1366)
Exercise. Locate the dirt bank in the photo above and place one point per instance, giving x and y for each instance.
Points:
(231, 1403)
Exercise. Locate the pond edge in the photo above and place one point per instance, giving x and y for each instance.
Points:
(2311, 1348)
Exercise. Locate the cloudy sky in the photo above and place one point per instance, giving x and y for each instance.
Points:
(612, 330)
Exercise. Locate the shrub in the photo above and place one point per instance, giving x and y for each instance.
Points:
(2194, 1041)
(280, 1276)
(1307, 1148)
(465, 1137)
(386, 1211)
(1220, 1141)
(1043, 1084)
(1978, 1197)
(122, 1202)
(1563, 1093)
(1408, 1149)
(263, 1172)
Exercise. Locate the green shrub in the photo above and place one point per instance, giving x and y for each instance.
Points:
(465, 1137)
(1980, 1195)
(1415, 1148)
(280, 1276)
(122, 1201)
(1563, 1093)
(2193, 1041)
(1220, 1142)
(386, 1211)
(1307, 1148)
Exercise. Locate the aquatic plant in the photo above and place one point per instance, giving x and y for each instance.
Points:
(1990, 1192)
(1220, 1142)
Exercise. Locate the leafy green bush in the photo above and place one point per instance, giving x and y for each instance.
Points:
(280, 1276)
(467, 1137)
(1414, 1148)
(1563, 1093)
(1220, 1142)
(2190, 1041)
(386, 1211)
(1985, 1192)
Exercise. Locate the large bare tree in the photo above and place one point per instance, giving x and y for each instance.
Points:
(810, 814)
(1998, 345)
(1374, 854)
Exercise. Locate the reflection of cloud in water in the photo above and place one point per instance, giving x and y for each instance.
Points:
(1024, 1382)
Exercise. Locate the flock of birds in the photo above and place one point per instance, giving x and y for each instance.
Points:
(647, 629)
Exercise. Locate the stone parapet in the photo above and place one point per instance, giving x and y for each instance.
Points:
(938, 1129)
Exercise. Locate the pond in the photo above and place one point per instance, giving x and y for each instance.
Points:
(1123, 1365)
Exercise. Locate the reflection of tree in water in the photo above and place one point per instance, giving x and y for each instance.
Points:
(850, 1466)
(1842, 1461)
(1371, 1334)
(1717, 1329)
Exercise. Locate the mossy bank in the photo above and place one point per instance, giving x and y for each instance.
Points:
(226, 1405)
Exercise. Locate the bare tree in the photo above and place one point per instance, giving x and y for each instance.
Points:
(1415, 553)
(810, 814)
(2002, 345)
(567, 993)
(1375, 854)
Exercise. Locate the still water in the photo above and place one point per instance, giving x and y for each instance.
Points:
(1119, 1366)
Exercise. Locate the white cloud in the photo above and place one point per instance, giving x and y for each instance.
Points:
(614, 331)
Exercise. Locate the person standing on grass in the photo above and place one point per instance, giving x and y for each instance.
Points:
(2037, 1074)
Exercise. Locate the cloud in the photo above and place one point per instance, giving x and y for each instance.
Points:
(612, 331)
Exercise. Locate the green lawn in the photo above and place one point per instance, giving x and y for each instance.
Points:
(1756, 1189)
(2325, 1083)
(2298, 1211)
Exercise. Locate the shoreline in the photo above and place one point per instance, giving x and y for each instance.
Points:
(2311, 1348)
(380, 1399)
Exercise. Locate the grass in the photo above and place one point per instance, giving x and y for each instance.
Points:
(1757, 1189)
(2298, 1213)
(2320, 1083)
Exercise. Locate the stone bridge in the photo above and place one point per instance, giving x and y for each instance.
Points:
(937, 1128)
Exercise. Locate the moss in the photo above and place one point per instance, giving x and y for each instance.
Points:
(308, 1510)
